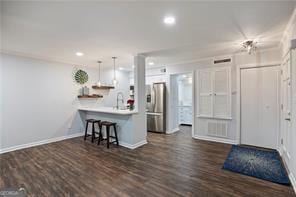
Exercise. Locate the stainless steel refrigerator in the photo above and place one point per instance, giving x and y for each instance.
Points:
(156, 107)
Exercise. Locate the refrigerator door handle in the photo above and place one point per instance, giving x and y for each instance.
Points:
(154, 113)
(154, 98)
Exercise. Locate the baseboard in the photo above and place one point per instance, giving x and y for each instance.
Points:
(173, 131)
(283, 153)
(280, 150)
(293, 181)
(28, 145)
(132, 146)
(214, 139)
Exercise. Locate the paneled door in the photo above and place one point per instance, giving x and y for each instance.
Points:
(286, 105)
(205, 93)
(221, 93)
(260, 106)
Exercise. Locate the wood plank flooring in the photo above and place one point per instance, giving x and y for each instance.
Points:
(169, 165)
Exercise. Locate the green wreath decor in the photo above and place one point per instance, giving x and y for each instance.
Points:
(81, 76)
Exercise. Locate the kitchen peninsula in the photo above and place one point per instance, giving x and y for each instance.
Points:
(127, 125)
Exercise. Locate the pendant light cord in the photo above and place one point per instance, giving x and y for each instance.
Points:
(114, 73)
(99, 82)
(99, 70)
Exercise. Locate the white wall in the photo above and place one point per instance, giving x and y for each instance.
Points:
(152, 75)
(140, 118)
(109, 96)
(40, 99)
(261, 57)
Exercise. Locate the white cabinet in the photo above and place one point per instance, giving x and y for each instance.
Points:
(214, 93)
(185, 115)
(205, 93)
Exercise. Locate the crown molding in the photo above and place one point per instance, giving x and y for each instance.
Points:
(289, 27)
(229, 55)
(41, 58)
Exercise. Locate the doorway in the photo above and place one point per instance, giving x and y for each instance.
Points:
(259, 93)
(182, 101)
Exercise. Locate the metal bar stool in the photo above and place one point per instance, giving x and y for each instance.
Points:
(93, 133)
(108, 124)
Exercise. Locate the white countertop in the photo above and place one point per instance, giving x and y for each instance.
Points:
(109, 110)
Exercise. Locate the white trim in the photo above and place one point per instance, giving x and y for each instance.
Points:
(193, 103)
(244, 66)
(288, 155)
(286, 164)
(133, 146)
(293, 181)
(193, 100)
(289, 26)
(214, 139)
(37, 57)
(212, 58)
(280, 151)
(173, 131)
(32, 144)
(214, 117)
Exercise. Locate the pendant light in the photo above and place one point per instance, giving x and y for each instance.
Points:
(114, 72)
(99, 82)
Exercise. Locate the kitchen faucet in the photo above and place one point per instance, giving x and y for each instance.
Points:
(121, 99)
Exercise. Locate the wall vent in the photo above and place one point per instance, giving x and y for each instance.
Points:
(217, 129)
(163, 70)
(222, 61)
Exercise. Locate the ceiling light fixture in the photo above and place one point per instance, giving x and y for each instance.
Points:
(121, 68)
(250, 45)
(169, 20)
(79, 54)
(150, 63)
(99, 82)
(114, 72)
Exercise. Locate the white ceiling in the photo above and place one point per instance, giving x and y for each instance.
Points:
(56, 30)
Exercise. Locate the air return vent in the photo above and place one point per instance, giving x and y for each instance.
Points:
(222, 61)
(217, 129)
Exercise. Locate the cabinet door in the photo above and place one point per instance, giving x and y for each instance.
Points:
(205, 98)
(221, 93)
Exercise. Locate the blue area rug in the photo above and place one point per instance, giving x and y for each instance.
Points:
(262, 164)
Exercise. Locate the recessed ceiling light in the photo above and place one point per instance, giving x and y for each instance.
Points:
(79, 54)
(169, 20)
(121, 68)
(133, 66)
(150, 63)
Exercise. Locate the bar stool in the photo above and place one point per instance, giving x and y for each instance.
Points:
(108, 124)
(93, 133)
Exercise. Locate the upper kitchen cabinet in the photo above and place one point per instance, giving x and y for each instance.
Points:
(214, 93)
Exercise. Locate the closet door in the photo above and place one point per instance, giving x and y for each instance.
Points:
(221, 93)
(205, 90)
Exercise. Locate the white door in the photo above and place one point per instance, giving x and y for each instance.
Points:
(260, 106)
(286, 105)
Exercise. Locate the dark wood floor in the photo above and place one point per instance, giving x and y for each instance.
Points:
(170, 165)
